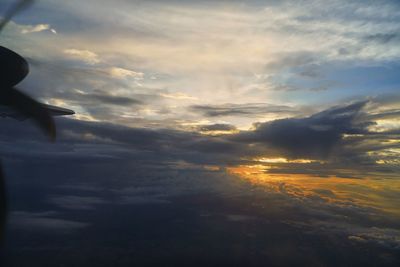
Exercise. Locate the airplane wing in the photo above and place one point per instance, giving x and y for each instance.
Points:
(58, 111)
(7, 111)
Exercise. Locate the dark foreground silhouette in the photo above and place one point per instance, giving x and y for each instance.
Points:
(16, 104)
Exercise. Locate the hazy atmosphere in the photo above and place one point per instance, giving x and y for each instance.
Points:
(206, 133)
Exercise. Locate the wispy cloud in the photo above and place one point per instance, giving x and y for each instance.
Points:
(37, 28)
(86, 56)
(39, 221)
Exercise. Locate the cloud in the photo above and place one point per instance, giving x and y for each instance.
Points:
(140, 200)
(103, 169)
(77, 202)
(86, 56)
(338, 134)
(382, 38)
(38, 221)
(251, 109)
(37, 28)
(122, 73)
(104, 98)
(293, 59)
(312, 137)
(193, 61)
(381, 236)
(337, 141)
(216, 127)
(178, 96)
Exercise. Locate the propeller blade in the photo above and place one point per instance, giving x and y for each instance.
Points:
(31, 108)
(21, 5)
(3, 205)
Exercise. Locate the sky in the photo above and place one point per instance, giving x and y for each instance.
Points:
(207, 132)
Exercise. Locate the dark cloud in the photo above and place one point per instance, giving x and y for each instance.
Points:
(295, 59)
(320, 136)
(240, 109)
(47, 221)
(389, 114)
(97, 98)
(312, 137)
(107, 185)
(339, 140)
(310, 71)
(382, 38)
(76, 202)
(216, 127)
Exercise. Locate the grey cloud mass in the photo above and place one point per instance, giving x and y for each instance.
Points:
(251, 109)
(216, 127)
(321, 136)
(312, 137)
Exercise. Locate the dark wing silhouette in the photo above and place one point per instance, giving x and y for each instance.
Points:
(29, 107)
(58, 111)
(23, 103)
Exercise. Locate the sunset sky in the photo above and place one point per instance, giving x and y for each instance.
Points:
(267, 120)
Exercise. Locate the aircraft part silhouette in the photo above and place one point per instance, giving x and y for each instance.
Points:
(18, 105)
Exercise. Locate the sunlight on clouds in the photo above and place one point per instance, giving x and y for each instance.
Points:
(124, 73)
(87, 56)
(386, 125)
(37, 28)
(218, 133)
(390, 156)
(84, 116)
(211, 168)
(248, 170)
(178, 96)
(57, 102)
(80, 112)
(194, 123)
(284, 160)
(382, 194)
